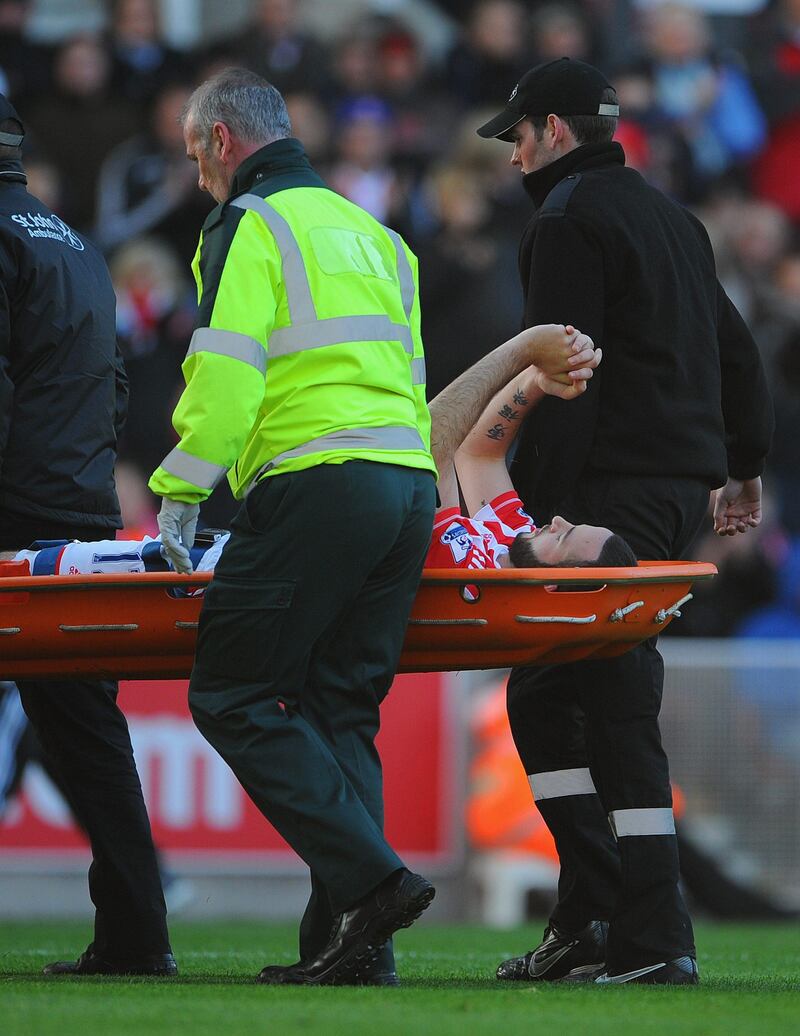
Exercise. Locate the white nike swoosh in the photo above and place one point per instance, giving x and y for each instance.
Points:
(628, 976)
(535, 970)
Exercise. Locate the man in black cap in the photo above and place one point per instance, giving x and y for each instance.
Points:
(63, 395)
(679, 407)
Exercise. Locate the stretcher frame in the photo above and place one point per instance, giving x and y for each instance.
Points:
(144, 625)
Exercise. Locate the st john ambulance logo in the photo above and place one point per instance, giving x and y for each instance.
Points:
(52, 227)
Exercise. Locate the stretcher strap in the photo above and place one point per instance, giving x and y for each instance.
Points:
(572, 619)
(619, 613)
(448, 622)
(123, 627)
(663, 613)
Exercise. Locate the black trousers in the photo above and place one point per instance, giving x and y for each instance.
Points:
(85, 737)
(299, 640)
(588, 736)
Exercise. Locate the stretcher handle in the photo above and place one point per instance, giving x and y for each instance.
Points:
(663, 613)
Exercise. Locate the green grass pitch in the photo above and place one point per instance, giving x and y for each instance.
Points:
(750, 986)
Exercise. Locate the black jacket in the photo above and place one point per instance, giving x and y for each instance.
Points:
(681, 390)
(63, 391)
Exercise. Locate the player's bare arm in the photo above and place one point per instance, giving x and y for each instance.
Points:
(549, 347)
(480, 461)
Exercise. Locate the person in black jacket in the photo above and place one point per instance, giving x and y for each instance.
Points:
(63, 395)
(678, 407)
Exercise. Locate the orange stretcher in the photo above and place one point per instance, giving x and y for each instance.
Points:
(144, 625)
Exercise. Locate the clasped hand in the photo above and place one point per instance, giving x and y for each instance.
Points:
(565, 359)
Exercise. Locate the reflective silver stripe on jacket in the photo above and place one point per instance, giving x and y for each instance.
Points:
(404, 273)
(418, 371)
(557, 784)
(295, 278)
(627, 822)
(192, 469)
(391, 437)
(307, 331)
(229, 343)
(336, 330)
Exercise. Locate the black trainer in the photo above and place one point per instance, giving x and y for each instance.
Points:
(359, 933)
(682, 971)
(558, 954)
(160, 965)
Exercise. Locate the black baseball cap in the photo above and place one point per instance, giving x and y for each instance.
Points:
(8, 111)
(563, 87)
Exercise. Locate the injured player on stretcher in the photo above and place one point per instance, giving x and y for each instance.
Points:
(473, 425)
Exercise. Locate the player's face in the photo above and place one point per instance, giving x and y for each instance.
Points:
(561, 543)
(212, 174)
(529, 153)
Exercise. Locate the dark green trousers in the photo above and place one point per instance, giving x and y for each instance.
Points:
(300, 635)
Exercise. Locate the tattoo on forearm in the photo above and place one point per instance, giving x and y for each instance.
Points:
(508, 413)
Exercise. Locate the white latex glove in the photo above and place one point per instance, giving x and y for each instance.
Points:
(177, 523)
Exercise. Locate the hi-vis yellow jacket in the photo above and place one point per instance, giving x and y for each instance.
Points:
(308, 348)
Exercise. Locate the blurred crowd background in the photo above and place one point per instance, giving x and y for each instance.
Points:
(710, 94)
(386, 96)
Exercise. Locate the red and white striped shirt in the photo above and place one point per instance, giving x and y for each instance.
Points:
(479, 542)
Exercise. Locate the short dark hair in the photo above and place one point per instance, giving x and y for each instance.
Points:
(586, 129)
(615, 553)
(8, 153)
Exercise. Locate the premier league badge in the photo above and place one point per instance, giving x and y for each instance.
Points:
(458, 540)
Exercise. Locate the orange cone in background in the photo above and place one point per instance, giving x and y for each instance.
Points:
(500, 811)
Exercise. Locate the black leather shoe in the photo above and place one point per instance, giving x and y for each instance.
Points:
(281, 974)
(682, 971)
(558, 954)
(89, 963)
(291, 975)
(359, 933)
